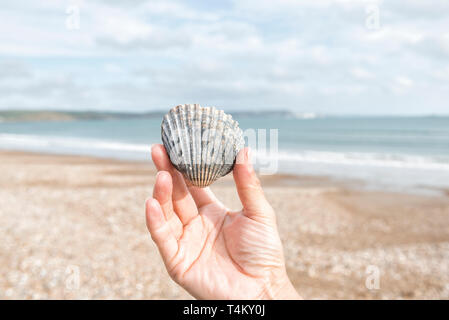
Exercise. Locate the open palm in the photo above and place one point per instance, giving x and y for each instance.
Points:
(211, 252)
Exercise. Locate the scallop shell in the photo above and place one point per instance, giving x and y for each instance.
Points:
(202, 142)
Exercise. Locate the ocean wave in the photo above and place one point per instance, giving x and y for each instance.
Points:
(83, 145)
(305, 115)
(361, 159)
(16, 140)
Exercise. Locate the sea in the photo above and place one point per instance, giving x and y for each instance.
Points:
(385, 153)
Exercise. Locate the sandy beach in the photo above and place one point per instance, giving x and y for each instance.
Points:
(74, 228)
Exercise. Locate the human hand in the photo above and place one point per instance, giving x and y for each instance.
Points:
(211, 252)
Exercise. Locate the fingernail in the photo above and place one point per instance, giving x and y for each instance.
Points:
(241, 157)
(152, 152)
(249, 155)
(160, 174)
(153, 203)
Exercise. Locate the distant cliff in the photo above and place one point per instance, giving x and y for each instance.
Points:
(47, 115)
(23, 116)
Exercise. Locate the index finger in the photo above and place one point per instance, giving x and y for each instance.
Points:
(183, 203)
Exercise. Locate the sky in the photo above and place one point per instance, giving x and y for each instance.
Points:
(322, 56)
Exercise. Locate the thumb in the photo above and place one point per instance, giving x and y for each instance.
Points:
(255, 205)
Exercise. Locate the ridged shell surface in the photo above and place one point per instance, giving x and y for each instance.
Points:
(202, 142)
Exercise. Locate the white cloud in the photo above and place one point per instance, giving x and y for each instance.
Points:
(404, 81)
(141, 54)
(360, 73)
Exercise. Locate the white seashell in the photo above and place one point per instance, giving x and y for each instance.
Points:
(202, 142)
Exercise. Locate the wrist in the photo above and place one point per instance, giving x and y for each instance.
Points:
(287, 292)
(280, 289)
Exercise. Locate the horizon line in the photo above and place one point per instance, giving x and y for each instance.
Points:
(298, 113)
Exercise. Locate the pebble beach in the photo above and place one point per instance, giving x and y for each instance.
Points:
(73, 227)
